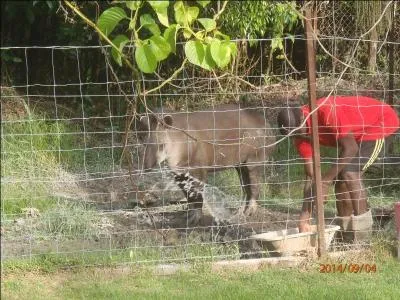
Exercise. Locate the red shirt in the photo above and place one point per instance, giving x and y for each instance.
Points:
(368, 119)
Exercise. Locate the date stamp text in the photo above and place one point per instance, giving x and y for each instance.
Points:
(347, 267)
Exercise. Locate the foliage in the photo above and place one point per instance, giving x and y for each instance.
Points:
(257, 19)
(156, 38)
(32, 149)
(28, 10)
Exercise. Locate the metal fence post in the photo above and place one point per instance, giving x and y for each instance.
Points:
(312, 94)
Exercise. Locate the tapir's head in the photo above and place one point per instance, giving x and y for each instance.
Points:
(152, 134)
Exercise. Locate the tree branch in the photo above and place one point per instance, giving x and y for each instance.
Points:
(94, 26)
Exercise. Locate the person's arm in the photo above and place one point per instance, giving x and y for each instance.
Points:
(306, 210)
(304, 148)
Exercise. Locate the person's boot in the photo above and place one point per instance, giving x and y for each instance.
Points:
(361, 226)
(355, 229)
(345, 234)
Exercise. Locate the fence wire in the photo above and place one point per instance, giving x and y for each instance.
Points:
(68, 192)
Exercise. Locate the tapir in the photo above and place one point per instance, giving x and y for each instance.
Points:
(225, 136)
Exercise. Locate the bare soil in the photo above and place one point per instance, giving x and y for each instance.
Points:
(127, 223)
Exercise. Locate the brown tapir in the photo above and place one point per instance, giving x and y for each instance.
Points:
(210, 140)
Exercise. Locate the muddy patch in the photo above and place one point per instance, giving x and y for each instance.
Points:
(146, 220)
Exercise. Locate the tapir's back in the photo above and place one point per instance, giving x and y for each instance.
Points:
(224, 135)
(220, 119)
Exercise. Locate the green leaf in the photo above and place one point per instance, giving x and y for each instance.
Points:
(224, 36)
(291, 37)
(133, 5)
(170, 36)
(220, 52)
(233, 47)
(185, 15)
(208, 24)
(110, 18)
(198, 54)
(203, 3)
(195, 52)
(277, 43)
(160, 47)
(162, 15)
(179, 9)
(192, 13)
(146, 19)
(187, 34)
(148, 22)
(158, 4)
(200, 35)
(145, 58)
(120, 41)
(208, 62)
(161, 9)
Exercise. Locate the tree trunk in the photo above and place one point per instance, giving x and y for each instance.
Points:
(373, 48)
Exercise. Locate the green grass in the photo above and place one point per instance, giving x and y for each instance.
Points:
(139, 282)
(68, 219)
(30, 159)
(107, 251)
(36, 153)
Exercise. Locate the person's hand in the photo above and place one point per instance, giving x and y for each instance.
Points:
(304, 226)
(304, 223)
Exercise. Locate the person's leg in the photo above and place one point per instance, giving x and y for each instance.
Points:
(358, 227)
(344, 204)
(352, 174)
(356, 191)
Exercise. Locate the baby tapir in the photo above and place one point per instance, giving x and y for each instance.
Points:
(221, 137)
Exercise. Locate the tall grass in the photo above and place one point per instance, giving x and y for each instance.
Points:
(32, 157)
(37, 153)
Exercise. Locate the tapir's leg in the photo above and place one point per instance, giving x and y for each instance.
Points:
(192, 187)
(245, 182)
(243, 173)
(253, 189)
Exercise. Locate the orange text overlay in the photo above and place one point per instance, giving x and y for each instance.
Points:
(347, 267)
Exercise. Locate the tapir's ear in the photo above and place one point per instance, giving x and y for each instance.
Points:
(148, 122)
(168, 120)
(144, 122)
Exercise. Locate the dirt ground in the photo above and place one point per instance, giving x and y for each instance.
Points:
(142, 219)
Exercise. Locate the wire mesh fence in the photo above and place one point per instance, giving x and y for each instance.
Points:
(73, 185)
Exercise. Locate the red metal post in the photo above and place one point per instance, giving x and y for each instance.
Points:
(312, 94)
(397, 220)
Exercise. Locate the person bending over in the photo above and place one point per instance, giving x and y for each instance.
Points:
(358, 126)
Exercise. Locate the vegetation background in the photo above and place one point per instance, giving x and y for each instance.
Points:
(67, 104)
